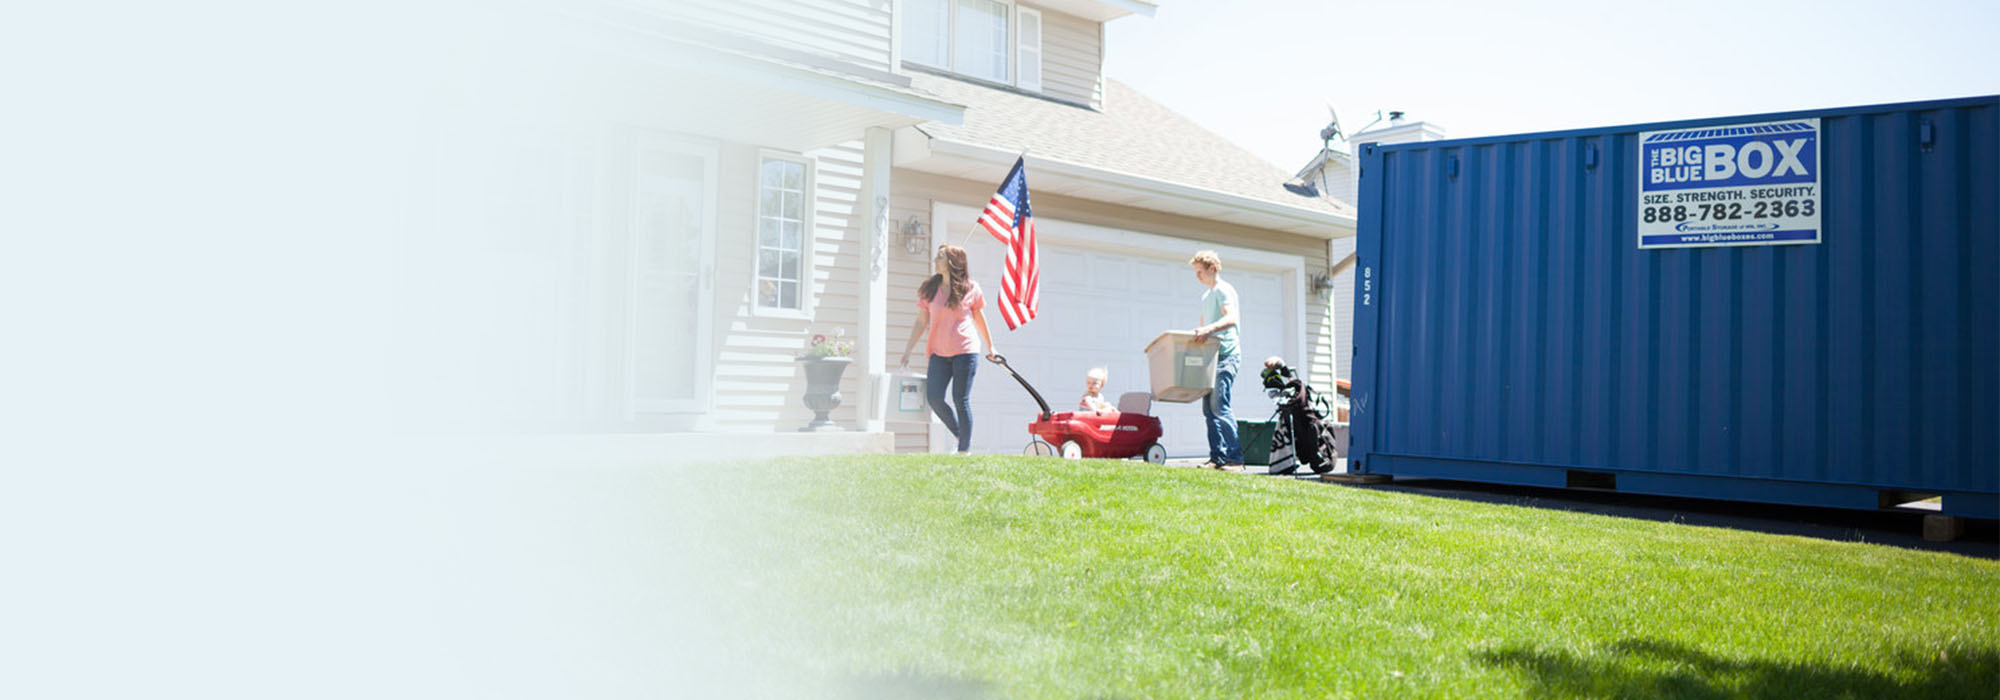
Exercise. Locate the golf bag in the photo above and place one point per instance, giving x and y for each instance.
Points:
(1302, 430)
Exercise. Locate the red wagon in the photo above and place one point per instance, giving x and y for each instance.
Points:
(1119, 434)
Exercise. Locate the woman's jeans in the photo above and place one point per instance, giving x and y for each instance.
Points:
(955, 371)
(1223, 445)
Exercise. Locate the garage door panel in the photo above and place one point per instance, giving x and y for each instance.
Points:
(1001, 408)
(1111, 273)
(1152, 279)
(1184, 285)
(1262, 335)
(1069, 325)
(1109, 323)
(1137, 326)
(1060, 270)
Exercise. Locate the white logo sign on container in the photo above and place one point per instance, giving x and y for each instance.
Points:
(1741, 184)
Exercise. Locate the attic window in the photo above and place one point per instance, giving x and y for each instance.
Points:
(972, 37)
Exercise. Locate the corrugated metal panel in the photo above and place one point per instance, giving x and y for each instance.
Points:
(1508, 326)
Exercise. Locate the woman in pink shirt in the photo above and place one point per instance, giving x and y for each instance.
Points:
(950, 305)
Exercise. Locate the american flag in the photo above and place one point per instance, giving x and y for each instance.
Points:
(1009, 218)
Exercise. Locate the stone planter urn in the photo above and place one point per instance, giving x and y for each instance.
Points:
(823, 389)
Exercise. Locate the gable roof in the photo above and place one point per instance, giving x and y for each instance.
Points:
(1132, 136)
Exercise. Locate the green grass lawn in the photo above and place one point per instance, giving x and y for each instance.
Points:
(937, 576)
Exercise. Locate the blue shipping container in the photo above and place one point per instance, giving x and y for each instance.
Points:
(1791, 308)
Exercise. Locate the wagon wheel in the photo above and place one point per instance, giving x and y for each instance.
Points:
(1039, 448)
(1072, 450)
(1156, 453)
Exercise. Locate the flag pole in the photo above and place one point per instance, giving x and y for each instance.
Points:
(1023, 158)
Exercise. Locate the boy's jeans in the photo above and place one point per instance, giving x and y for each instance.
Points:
(1223, 445)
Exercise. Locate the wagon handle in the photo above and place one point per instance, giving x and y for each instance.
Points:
(1002, 361)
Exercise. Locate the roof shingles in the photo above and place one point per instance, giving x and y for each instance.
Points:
(1132, 134)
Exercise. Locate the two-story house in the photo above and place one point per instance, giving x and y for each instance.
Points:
(742, 175)
(1125, 191)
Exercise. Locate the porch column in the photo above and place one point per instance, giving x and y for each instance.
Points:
(874, 341)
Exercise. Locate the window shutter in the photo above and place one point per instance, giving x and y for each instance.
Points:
(1029, 51)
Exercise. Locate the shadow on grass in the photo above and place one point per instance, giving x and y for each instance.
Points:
(1654, 669)
(1896, 528)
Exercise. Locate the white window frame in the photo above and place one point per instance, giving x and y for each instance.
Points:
(1006, 42)
(1010, 14)
(806, 206)
(1020, 56)
(908, 32)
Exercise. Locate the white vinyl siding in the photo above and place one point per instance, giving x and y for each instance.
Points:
(1342, 185)
(839, 245)
(1342, 300)
(758, 383)
(851, 31)
(1028, 52)
(1072, 55)
(907, 271)
(782, 220)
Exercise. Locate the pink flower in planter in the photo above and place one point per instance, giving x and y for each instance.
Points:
(824, 347)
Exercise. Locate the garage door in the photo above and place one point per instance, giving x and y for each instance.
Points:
(1100, 309)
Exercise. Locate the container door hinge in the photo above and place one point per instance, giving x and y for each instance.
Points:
(1926, 135)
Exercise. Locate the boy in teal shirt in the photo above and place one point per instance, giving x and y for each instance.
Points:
(1219, 313)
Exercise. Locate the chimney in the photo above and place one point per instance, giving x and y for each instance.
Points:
(1398, 129)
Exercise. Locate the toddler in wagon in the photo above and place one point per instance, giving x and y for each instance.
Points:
(1093, 392)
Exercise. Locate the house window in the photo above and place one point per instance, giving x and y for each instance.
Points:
(972, 37)
(782, 206)
(981, 38)
(927, 32)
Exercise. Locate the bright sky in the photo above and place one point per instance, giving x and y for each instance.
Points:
(1262, 72)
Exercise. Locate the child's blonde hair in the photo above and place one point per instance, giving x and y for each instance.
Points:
(1206, 260)
(1098, 374)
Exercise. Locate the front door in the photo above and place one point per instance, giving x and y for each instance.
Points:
(672, 200)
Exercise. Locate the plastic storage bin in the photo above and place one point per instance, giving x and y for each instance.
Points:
(1183, 370)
